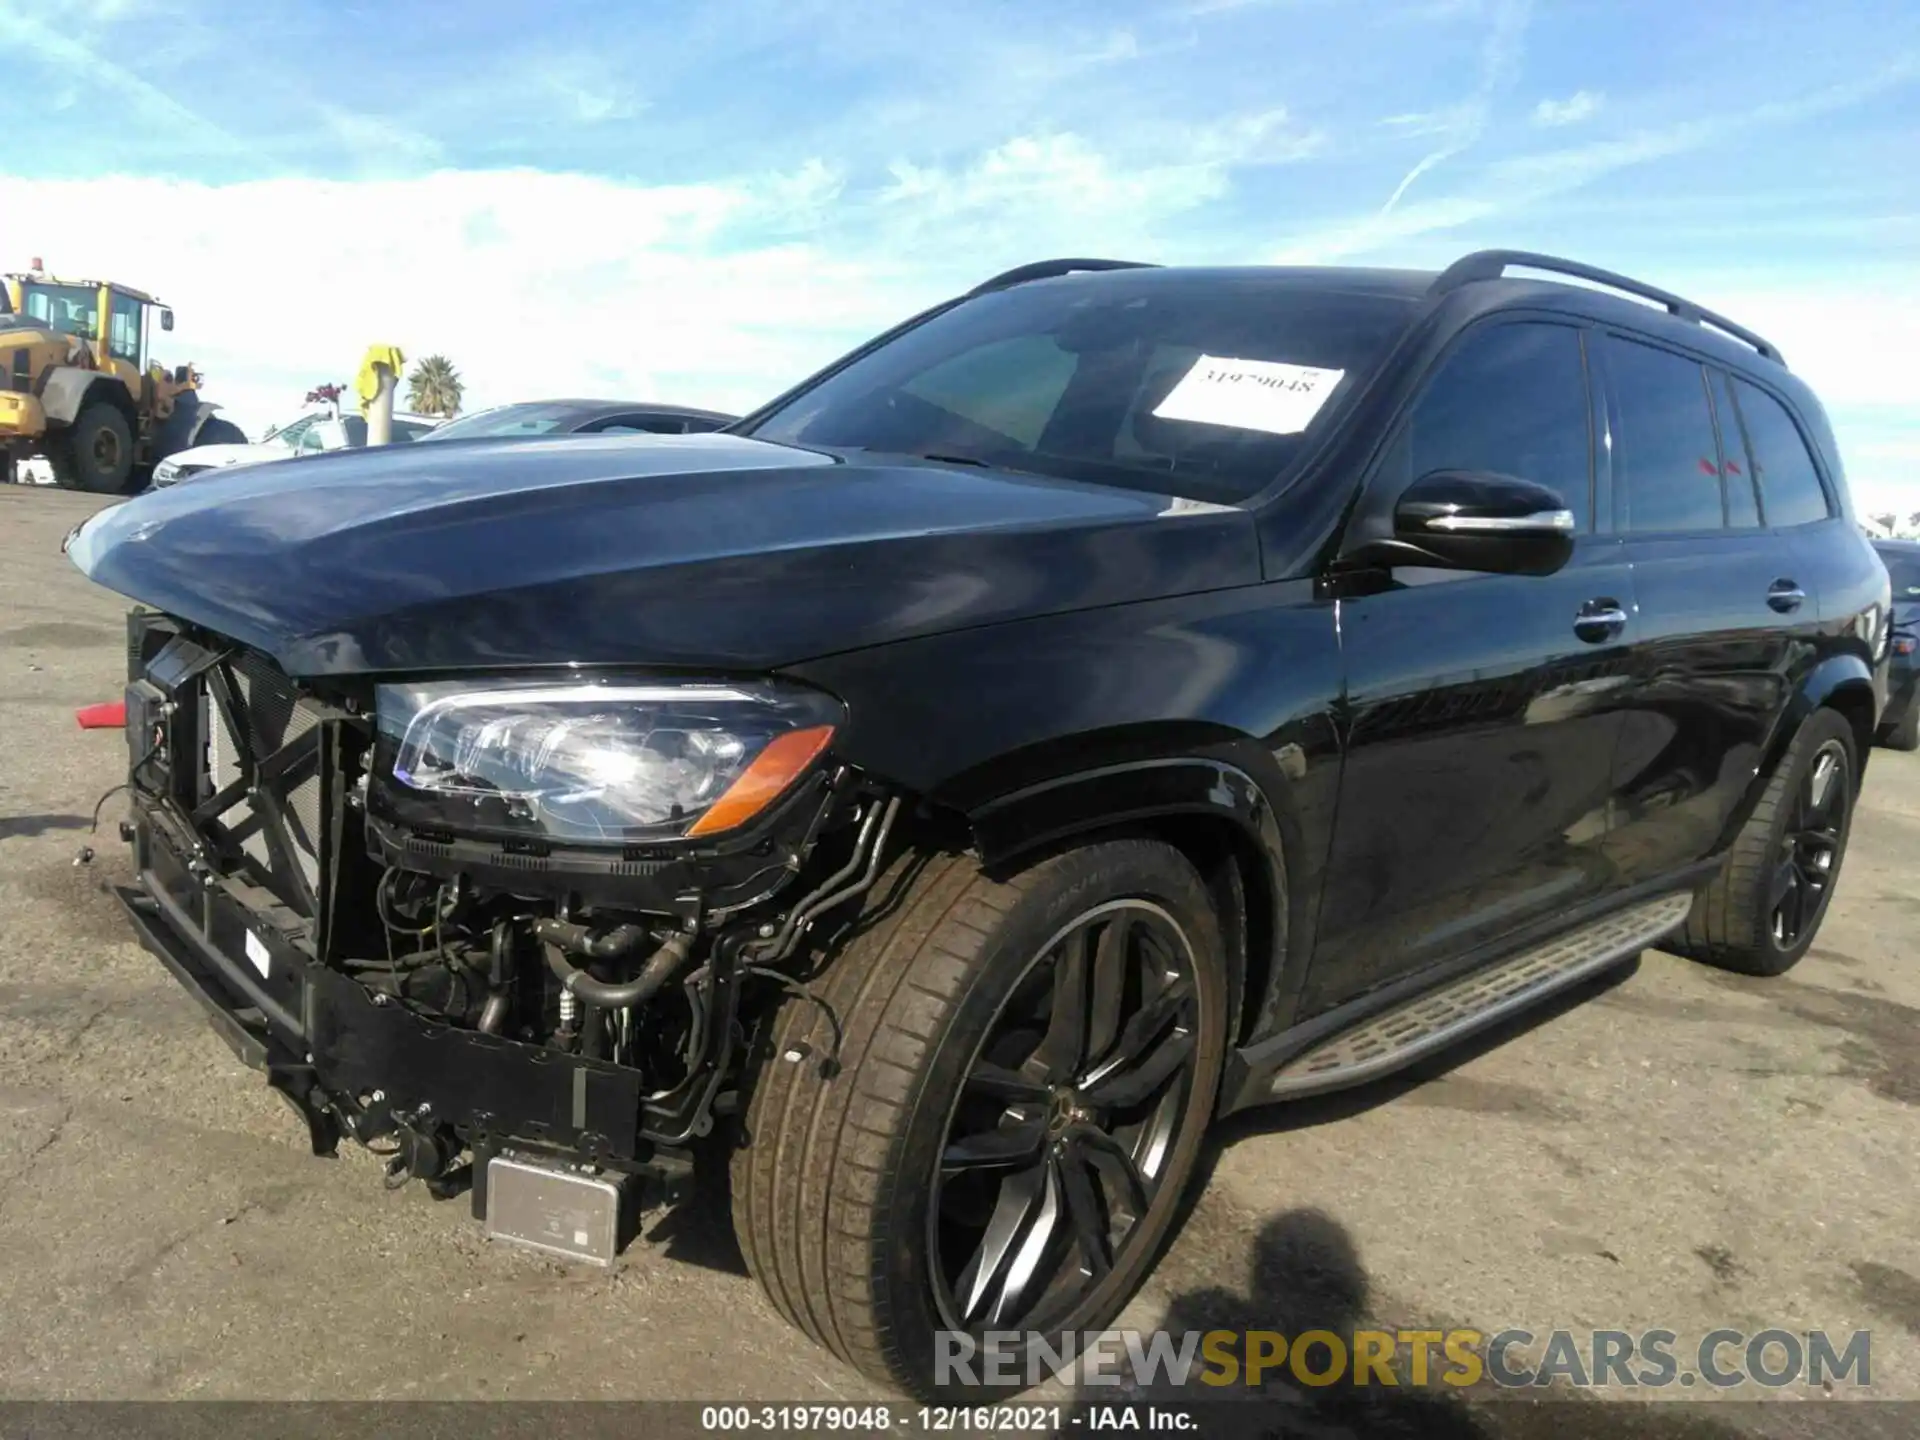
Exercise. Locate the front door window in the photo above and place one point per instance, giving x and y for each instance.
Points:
(123, 339)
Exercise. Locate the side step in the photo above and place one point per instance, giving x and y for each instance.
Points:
(1432, 1021)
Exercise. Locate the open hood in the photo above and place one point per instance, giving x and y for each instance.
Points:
(711, 551)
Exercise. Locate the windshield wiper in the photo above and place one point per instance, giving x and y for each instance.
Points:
(958, 460)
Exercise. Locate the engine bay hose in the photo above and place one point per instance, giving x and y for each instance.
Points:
(578, 940)
(609, 995)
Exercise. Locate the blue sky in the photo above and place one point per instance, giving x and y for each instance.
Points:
(702, 201)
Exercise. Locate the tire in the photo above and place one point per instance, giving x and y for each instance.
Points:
(220, 432)
(1904, 733)
(841, 1204)
(96, 453)
(1738, 921)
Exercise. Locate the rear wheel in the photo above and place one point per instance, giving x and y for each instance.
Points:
(96, 453)
(1762, 911)
(1016, 1105)
(1904, 733)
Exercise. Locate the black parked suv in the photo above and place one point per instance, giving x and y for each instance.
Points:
(1900, 721)
(1111, 699)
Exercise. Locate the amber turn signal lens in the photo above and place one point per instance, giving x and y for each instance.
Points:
(772, 771)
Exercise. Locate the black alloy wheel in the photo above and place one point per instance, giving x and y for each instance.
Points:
(995, 1127)
(1059, 1138)
(1809, 858)
(1759, 915)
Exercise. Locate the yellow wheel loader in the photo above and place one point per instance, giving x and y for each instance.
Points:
(76, 385)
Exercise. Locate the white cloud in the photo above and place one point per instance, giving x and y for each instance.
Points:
(1581, 105)
(55, 45)
(1500, 56)
(586, 89)
(1065, 176)
(376, 141)
(1523, 181)
(533, 284)
(718, 293)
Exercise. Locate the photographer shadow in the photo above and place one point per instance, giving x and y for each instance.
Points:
(1305, 1274)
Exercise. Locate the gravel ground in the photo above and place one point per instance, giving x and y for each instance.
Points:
(1668, 1148)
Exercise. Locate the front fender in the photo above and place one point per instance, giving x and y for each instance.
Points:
(1216, 707)
(1257, 910)
(1058, 809)
(64, 392)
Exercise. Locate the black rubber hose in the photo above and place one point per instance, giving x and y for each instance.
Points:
(644, 986)
(493, 1014)
(593, 1032)
(578, 940)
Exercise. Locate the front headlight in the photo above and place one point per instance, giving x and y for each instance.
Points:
(165, 472)
(588, 761)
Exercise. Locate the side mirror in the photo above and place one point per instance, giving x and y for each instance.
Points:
(1477, 520)
(166, 319)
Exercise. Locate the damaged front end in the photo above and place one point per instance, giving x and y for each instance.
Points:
(510, 930)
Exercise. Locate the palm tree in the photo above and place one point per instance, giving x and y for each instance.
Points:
(434, 388)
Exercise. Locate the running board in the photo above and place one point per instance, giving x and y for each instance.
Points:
(1430, 1022)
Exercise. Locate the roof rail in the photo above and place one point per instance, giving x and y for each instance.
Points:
(1492, 264)
(1047, 269)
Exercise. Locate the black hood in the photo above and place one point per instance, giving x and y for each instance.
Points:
(701, 550)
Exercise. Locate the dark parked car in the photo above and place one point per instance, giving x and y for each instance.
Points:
(1112, 699)
(1900, 722)
(579, 417)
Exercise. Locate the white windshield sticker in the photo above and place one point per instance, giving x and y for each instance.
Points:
(1264, 395)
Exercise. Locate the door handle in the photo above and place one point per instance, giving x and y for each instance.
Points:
(1600, 620)
(1785, 596)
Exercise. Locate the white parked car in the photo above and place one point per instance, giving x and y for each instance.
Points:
(309, 435)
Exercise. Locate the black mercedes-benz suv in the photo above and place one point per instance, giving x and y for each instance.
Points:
(1111, 699)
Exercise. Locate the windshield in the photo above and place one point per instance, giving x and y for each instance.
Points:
(503, 420)
(1904, 568)
(68, 309)
(1206, 384)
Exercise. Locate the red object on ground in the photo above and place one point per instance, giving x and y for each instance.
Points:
(108, 715)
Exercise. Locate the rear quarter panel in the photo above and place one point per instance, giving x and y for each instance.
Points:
(1840, 569)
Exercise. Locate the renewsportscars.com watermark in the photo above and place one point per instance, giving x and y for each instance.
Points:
(1511, 1359)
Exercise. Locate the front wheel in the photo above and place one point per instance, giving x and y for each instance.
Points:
(96, 453)
(1015, 1107)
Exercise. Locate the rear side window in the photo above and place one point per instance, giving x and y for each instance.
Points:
(1666, 460)
(1743, 505)
(1789, 484)
(1511, 399)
